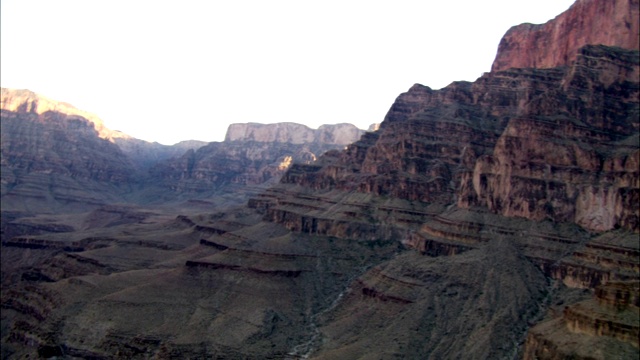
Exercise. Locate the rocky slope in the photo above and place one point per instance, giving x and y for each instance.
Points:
(46, 142)
(557, 42)
(25, 101)
(55, 156)
(494, 219)
(145, 154)
(521, 142)
(604, 326)
(252, 154)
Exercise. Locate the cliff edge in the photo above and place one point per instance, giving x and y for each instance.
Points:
(556, 43)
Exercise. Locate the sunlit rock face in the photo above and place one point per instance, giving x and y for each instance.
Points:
(558, 144)
(338, 134)
(557, 42)
(219, 164)
(28, 102)
(565, 155)
(54, 155)
(252, 154)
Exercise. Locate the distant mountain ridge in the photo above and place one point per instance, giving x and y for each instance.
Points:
(338, 134)
(494, 219)
(53, 152)
(26, 101)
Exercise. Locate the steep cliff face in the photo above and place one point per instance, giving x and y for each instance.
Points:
(556, 43)
(338, 134)
(216, 165)
(53, 155)
(53, 152)
(479, 218)
(568, 156)
(145, 154)
(558, 144)
(252, 154)
(28, 102)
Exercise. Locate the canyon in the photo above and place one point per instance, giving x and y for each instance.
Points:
(58, 158)
(489, 219)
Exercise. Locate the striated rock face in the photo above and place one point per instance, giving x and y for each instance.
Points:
(145, 154)
(567, 156)
(28, 102)
(252, 154)
(556, 43)
(339, 134)
(587, 329)
(242, 163)
(52, 155)
(477, 222)
(558, 144)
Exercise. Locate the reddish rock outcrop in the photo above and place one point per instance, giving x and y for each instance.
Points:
(557, 42)
(476, 217)
(558, 144)
(567, 157)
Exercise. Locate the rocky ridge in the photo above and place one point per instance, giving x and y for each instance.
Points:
(251, 155)
(53, 156)
(25, 101)
(56, 157)
(457, 230)
(527, 143)
(557, 42)
(338, 134)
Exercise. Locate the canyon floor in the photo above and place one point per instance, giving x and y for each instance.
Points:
(324, 281)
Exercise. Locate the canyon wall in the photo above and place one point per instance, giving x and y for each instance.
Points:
(338, 134)
(54, 154)
(478, 222)
(252, 154)
(25, 101)
(558, 144)
(556, 43)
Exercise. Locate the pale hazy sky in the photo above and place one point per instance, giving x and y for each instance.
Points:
(176, 70)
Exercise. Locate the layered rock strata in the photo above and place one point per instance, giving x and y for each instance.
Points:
(51, 158)
(56, 157)
(338, 134)
(478, 218)
(589, 328)
(577, 156)
(521, 142)
(252, 154)
(557, 42)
